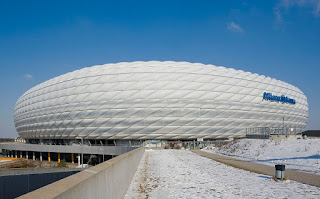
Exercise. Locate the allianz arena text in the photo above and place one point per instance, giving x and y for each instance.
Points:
(157, 100)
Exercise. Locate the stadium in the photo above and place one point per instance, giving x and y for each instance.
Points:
(156, 101)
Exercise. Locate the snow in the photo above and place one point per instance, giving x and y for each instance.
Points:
(183, 174)
(84, 166)
(297, 154)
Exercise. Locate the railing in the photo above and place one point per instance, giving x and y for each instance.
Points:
(6, 139)
(265, 132)
(182, 144)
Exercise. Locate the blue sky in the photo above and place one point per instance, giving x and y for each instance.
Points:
(43, 39)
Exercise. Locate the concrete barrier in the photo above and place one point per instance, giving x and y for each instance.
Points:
(109, 179)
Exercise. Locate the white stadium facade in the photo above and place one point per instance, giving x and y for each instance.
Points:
(157, 101)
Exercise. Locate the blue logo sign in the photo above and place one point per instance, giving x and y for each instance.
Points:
(283, 99)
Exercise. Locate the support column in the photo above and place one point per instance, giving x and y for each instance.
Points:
(16, 154)
(27, 156)
(8, 153)
(103, 158)
(20, 154)
(72, 158)
(59, 157)
(33, 155)
(40, 156)
(12, 153)
(49, 158)
(78, 159)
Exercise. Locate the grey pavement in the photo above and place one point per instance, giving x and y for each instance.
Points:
(305, 178)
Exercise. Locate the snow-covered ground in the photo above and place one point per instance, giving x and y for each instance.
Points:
(183, 174)
(302, 155)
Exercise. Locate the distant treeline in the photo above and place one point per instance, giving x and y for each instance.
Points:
(6, 139)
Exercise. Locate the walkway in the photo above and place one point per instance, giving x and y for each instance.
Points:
(183, 174)
(262, 169)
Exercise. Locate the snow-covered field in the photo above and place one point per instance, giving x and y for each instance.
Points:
(302, 155)
(183, 174)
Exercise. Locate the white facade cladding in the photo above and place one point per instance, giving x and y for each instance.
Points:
(157, 100)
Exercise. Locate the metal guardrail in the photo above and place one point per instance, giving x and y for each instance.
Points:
(6, 139)
(185, 144)
(266, 132)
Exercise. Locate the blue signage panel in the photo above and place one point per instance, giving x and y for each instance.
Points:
(283, 99)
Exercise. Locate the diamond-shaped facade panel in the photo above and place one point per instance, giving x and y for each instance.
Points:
(156, 100)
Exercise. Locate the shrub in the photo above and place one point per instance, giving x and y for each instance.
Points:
(62, 163)
(173, 145)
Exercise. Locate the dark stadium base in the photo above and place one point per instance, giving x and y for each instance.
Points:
(86, 142)
(104, 142)
(94, 151)
(92, 154)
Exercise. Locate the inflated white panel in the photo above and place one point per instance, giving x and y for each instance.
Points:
(156, 100)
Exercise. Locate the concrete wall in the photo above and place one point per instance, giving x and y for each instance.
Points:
(109, 179)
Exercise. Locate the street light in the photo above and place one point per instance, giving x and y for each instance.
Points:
(81, 150)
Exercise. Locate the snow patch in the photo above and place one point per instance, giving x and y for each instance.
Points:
(300, 154)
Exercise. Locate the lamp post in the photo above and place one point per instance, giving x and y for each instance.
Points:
(81, 150)
(283, 127)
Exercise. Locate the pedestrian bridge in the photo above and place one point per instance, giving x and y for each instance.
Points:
(176, 172)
